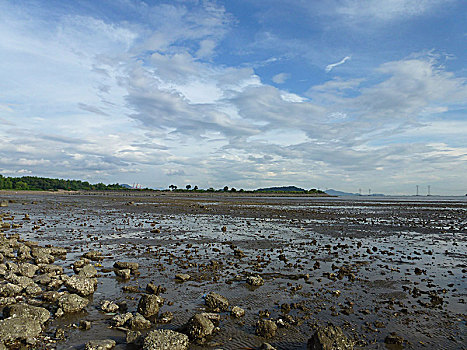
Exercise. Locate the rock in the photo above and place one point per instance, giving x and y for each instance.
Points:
(100, 344)
(165, 339)
(4, 204)
(58, 251)
(199, 327)
(18, 329)
(182, 277)
(216, 302)
(394, 339)
(85, 325)
(165, 318)
(23, 310)
(88, 271)
(27, 269)
(134, 337)
(33, 289)
(81, 285)
(94, 255)
(51, 296)
(255, 280)
(123, 265)
(72, 303)
(149, 305)
(267, 346)
(266, 328)
(21, 281)
(139, 322)
(10, 290)
(109, 306)
(329, 337)
(125, 273)
(51, 269)
(120, 320)
(60, 334)
(151, 288)
(42, 255)
(237, 312)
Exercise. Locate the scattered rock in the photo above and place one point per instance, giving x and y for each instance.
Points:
(165, 339)
(149, 305)
(94, 255)
(237, 312)
(255, 280)
(19, 329)
(267, 346)
(120, 320)
(27, 311)
(85, 325)
(153, 289)
(100, 344)
(109, 306)
(266, 328)
(123, 265)
(88, 271)
(81, 285)
(199, 327)
(139, 322)
(329, 337)
(216, 302)
(394, 339)
(125, 273)
(72, 303)
(182, 277)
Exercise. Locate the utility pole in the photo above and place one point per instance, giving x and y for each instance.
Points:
(417, 190)
(369, 191)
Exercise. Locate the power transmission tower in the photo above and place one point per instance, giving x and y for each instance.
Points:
(429, 189)
(417, 190)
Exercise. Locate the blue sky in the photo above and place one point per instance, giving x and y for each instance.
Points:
(342, 94)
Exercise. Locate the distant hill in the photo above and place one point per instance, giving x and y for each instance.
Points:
(332, 192)
(281, 189)
(126, 186)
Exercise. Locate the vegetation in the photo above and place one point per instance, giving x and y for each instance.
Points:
(290, 189)
(47, 184)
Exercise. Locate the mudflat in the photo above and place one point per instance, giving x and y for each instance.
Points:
(389, 272)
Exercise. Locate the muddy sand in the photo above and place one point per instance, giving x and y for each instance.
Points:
(389, 272)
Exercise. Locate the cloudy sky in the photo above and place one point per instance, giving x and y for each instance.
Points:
(342, 94)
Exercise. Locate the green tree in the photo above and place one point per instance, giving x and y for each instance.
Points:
(226, 188)
(188, 187)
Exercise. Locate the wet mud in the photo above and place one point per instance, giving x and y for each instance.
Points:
(372, 266)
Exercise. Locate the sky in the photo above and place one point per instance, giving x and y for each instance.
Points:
(343, 94)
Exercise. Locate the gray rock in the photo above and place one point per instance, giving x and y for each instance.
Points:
(42, 255)
(109, 306)
(81, 285)
(266, 328)
(105, 344)
(139, 322)
(23, 310)
(267, 346)
(329, 337)
(94, 255)
(120, 320)
(199, 327)
(216, 302)
(182, 277)
(165, 339)
(123, 265)
(18, 329)
(88, 271)
(125, 273)
(72, 303)
(255, 280)
(150, 304)
(10, 290)
(237, 312)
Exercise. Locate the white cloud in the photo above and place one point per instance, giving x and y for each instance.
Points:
(280, 78)
(330, 67)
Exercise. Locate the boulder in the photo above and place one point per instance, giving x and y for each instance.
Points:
(81, 285)
(199, 327)
(165, 339)
(329, 337)
(266, 328)
(105, 344)
(18, 329)
(88, 271)
(182, 277)
(120, 320)
(237, 312)
(125, 273)
(216, 302)
(123, 265)
(149, 305)
(10, 290)
(139, 322)
(109, 306)
(255, 281)
(94, 255)
(72, 303)
(27, 311)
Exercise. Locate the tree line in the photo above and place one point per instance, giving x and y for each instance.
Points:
(46, 184)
